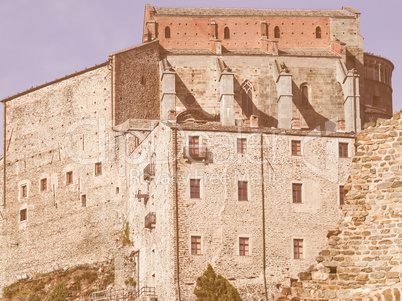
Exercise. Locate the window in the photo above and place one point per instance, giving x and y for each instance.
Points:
(318, 32)
(296, 148)
(226, 33)
(341, 196)
(24, 191)
(195, 244)
(244, 246)
(242, 190)
(167, 32)
(43, 184)
(195, 188)
(98, 169)
(297, 193)
(241, 145)
(84, 200)
(194, 147)
(69, 178)
(23, 215)
(277, 34)
(304, 90)
(247, 99)
(343, 150)
(298, 248)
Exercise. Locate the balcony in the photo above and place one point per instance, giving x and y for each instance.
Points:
(149, 172)
(197, 154)
(150, 220)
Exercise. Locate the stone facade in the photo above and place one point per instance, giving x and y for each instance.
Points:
(275, 120)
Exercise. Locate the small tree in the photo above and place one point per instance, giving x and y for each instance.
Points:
(212, 287)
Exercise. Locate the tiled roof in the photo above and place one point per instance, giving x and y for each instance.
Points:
(175, 11)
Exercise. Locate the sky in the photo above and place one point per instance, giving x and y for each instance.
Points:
(43, 40)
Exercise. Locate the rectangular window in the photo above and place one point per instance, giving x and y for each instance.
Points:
(343, 150)
(69, 178)
(296, 148)
(244, 246)
(195, 188)
(242, 190)
(297, 193)
(194, 146)
(24, 191)
(98, 169)
(241, 145)
(84, 200)
(43, 184)
(195, 244)
(298, 248)
(341, 195)
(23, 215)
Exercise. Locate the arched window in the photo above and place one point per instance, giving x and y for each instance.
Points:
(167, 32)
(304, 90)
(318, 32)
(277, 33)
(247, 99)
(226, 33)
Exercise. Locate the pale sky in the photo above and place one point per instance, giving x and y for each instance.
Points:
(43, 40)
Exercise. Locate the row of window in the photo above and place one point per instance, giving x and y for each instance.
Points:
(43, 186)
(244, 246)
(226, 32)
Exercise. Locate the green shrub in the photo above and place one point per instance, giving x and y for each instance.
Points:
(33, 298)
(130, 281)
(212, 287)
(10, 291)
(125, 236)
(89, 276)
(60, 293)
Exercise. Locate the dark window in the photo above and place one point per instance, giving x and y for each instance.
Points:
(69, 178)
(277, 34)
(195, 188)
(98, 169)
(241, 145)
(23, 215)
(24, 191)
(318, 32)
(296, 148)
(43, 184)
(226, 33)
(167, 32)
(117, 190)
(242, 190)
(195, 244)
(341, 196)
(343, 150)
(84, 200)
(297, 193)
(244, 246)
(194, 146)
(298, 248)
(247, 99)
(304, 90)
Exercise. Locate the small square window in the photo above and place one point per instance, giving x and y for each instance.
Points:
(241, 145)
(341, 196)
(343, 150)
(297, 193)
(69, 178)
(24, 191)
(195, 188)
(244, 246)
(84, 200)
(298, 248)
(23, 215)
(195, 244)
(43, 184)
(242, 190)
(98, 169)
(296, 148)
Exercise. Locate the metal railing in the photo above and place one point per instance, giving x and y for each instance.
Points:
(197, 154)
(123, 295)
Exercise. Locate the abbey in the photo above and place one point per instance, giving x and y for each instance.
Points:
(226, 137)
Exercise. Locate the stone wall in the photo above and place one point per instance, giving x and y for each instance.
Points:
(363, 258)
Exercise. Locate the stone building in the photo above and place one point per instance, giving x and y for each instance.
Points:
(225, 138)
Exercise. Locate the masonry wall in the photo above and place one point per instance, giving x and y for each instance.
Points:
(136, 83)
(60, 128)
